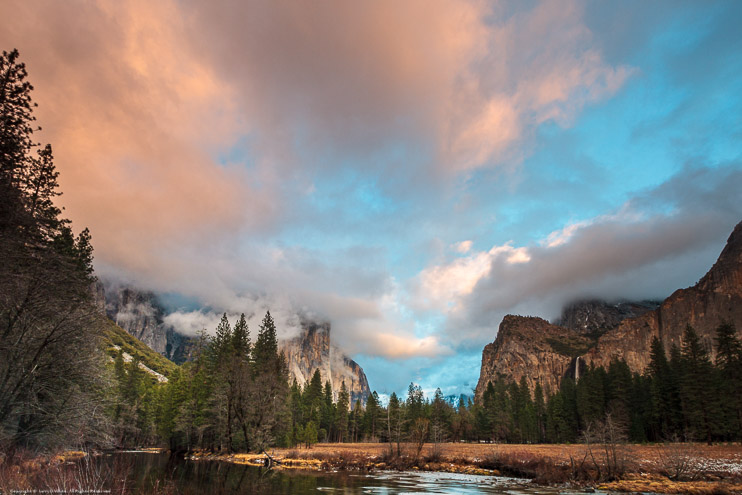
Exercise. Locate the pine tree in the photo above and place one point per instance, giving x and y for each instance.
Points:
(502, 423)
(356, 424)
(241, 339)
(518, 405)
(540, 409)
(558, 428)
(440, 418)
(297, 436)
(415, 399)
(618, 391)
(239, 382)
(48, 322)
(665, 399)
(371, 418)
(269, 392)
(328, 412)
(641, 408)
(296, 405)
(487, 414)
(265, 351)
(312, 398)
(728, 347)
(526, 419)
(16, 122)
(568, 391)
(222, 363)
(221, 346)
(462, 427)
(310, 434)
(697, 387)
(341, 419)
(729, 364)
(395, 423)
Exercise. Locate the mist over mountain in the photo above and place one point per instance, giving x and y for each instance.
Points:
(306, 343)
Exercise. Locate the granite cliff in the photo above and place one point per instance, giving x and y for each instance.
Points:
(312, 350)
(142, 316)
(594, 332)
(529, 347)
(716, 298)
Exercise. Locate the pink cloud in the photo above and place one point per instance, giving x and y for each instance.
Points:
(462, 75)
(132, 118)
(138, 98)
(536, 66)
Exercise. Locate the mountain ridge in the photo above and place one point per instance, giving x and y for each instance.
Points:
(551, 351)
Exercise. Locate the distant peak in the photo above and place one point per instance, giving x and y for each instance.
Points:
(734, 243)
(726, 274)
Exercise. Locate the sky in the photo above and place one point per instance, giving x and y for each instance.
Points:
(410, 171)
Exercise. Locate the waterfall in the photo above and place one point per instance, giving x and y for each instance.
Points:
(577, 369)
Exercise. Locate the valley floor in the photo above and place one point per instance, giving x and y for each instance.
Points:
(662, 468)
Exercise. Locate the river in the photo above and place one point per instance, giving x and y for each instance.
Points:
(161, 474)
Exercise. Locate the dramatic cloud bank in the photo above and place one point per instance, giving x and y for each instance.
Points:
(410, 171)
(155, 109)
(653, 244)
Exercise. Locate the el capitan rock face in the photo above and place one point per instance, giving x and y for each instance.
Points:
(141, 315)
(312, 350)
(545, 353)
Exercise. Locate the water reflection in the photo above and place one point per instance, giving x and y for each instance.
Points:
(158, 473)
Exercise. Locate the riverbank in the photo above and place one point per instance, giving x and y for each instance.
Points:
(664, 468)
(671, 468)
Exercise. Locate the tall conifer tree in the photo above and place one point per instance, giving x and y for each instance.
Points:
(697, 387)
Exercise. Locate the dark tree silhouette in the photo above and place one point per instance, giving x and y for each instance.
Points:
(50, 363)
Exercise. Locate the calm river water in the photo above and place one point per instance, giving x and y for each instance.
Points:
(160, 473)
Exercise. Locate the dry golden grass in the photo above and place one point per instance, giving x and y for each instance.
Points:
(718, 468)
(647, 457)
(70, 455)
(658, 484)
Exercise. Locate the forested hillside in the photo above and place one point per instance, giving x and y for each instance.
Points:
(684, 396)
(117, 340)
